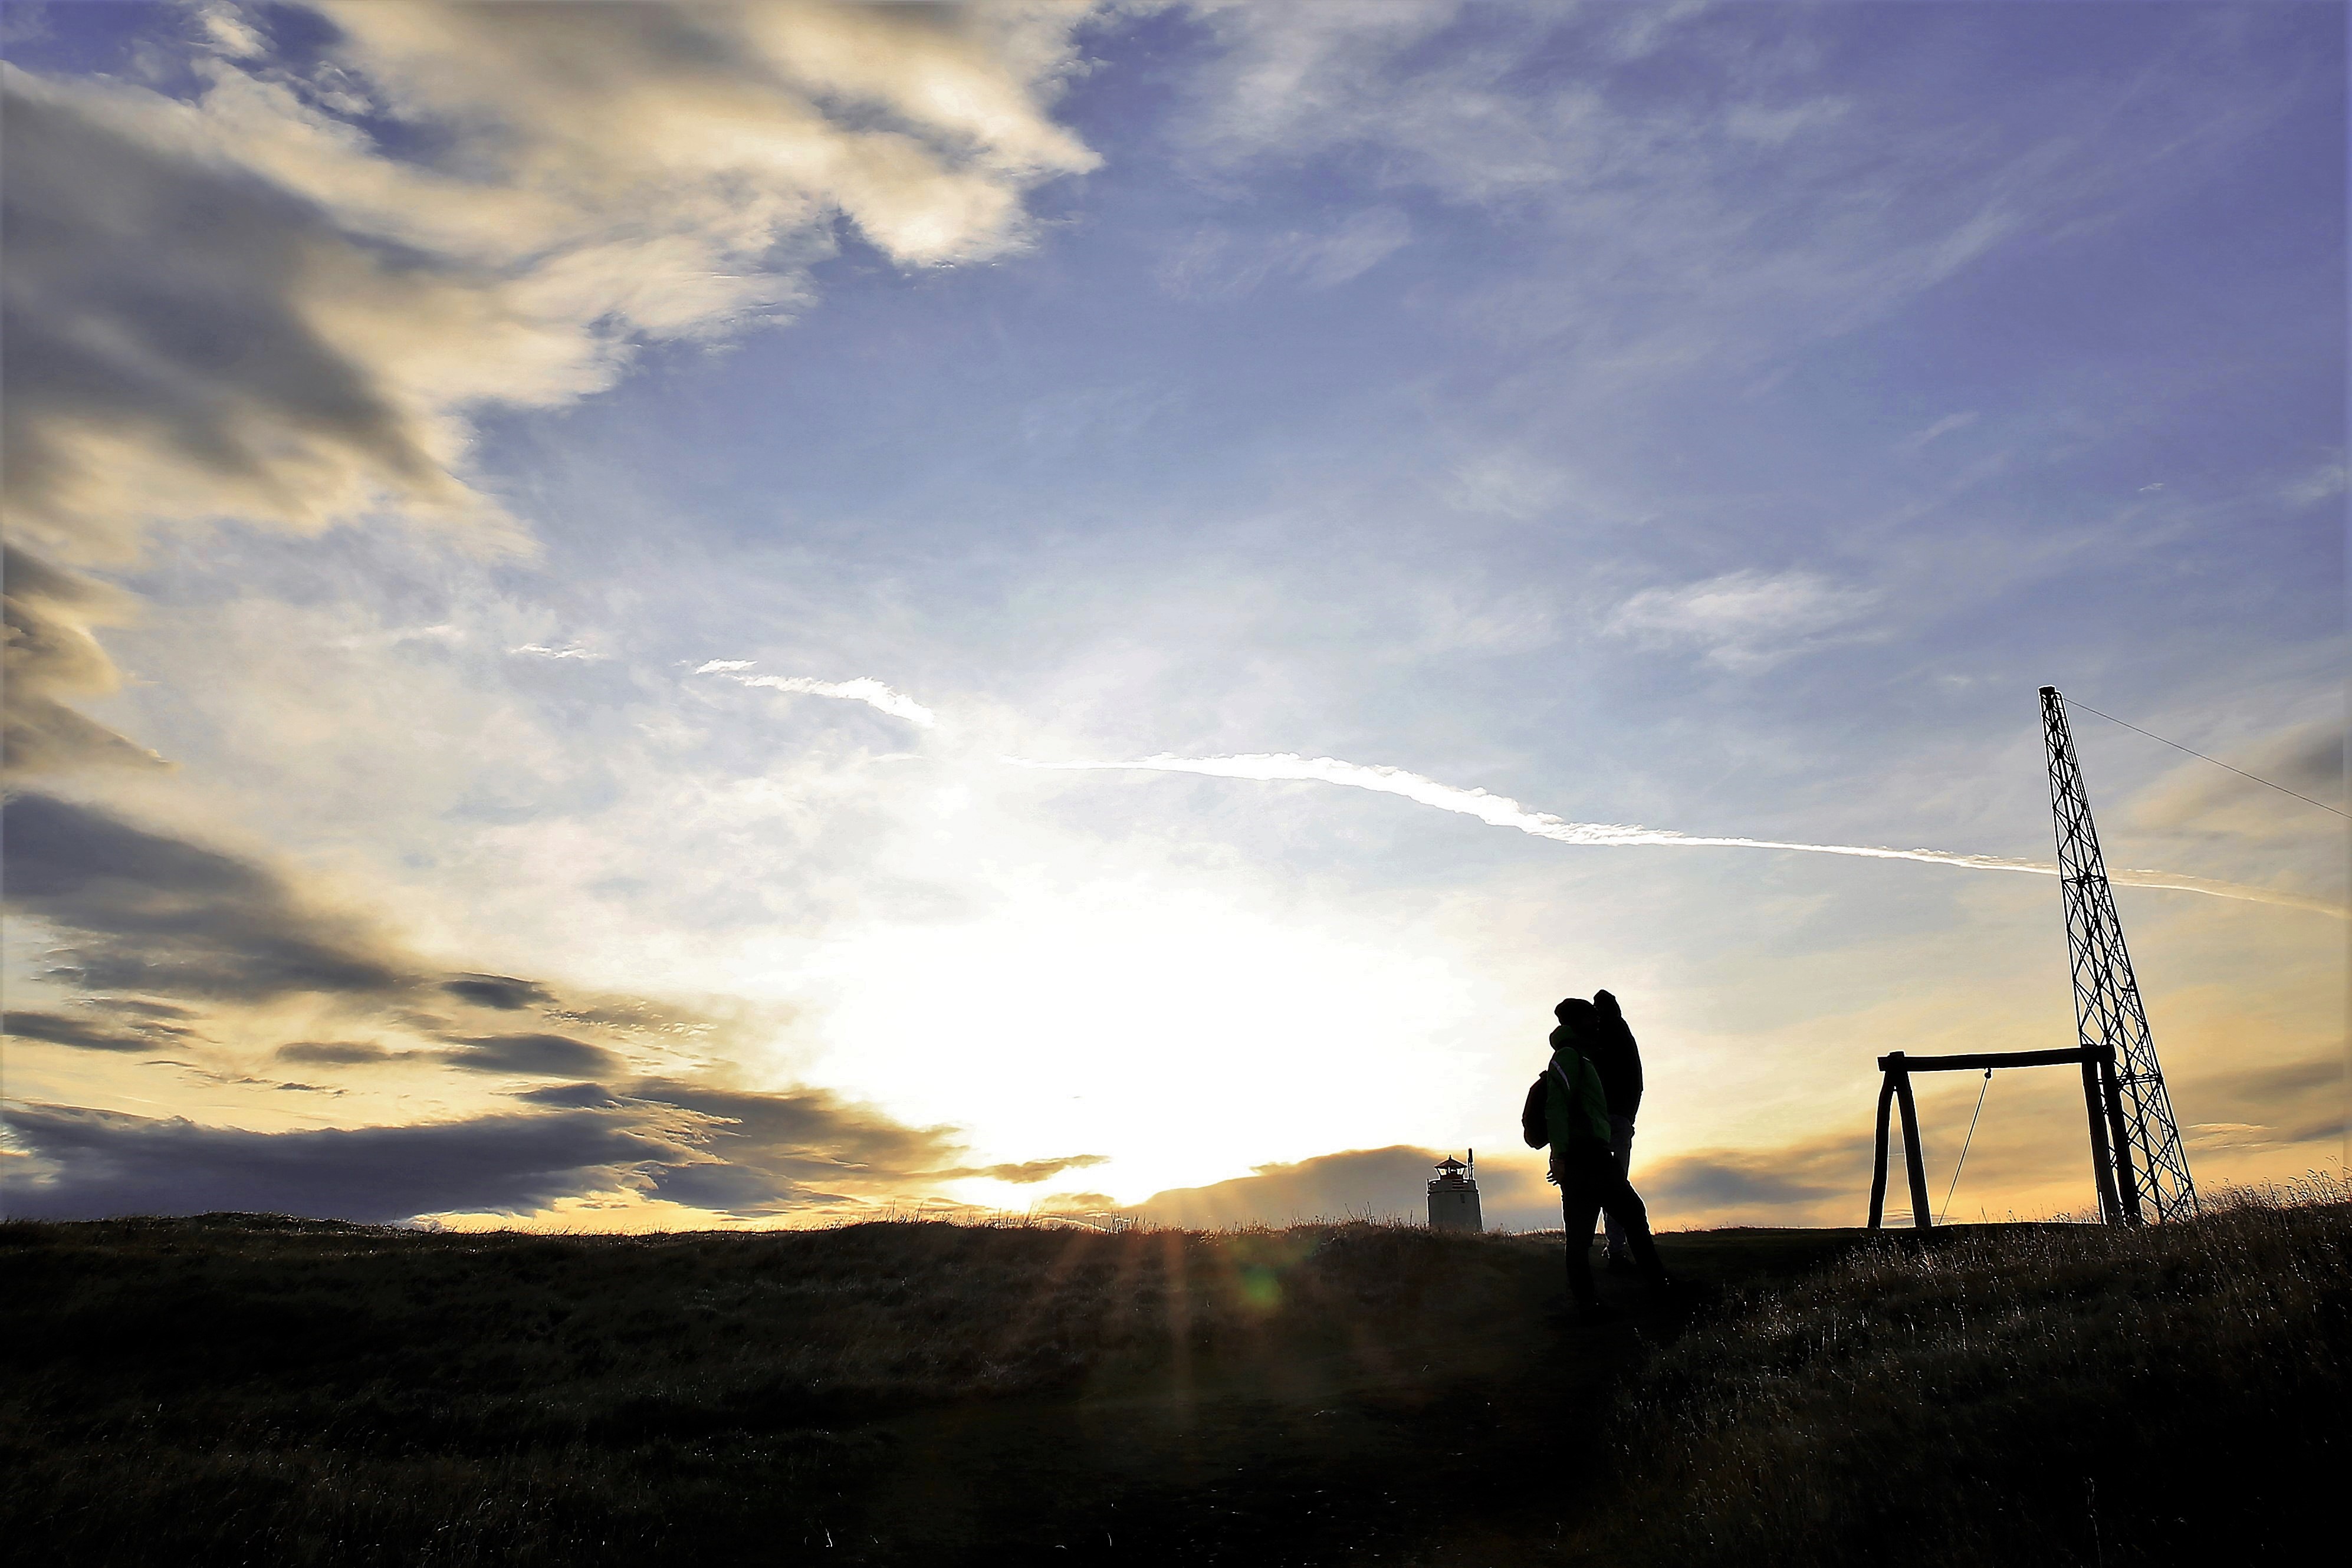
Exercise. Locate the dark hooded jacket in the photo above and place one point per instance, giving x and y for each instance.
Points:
(1566, 1107)
(1614, 1056)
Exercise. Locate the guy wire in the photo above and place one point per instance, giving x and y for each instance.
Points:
(2216, 761)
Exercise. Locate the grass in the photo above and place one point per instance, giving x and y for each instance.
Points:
(236, 1389)
(2023, 1394)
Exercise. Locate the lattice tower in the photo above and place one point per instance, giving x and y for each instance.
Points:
(2150, 1168)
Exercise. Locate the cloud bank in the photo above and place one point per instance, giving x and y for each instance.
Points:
(742, 1154)
(1355, 1184)
(141, 910)
(170, 944)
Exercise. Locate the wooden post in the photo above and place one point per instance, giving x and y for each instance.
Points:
(2102, 1160)
(2127, 1179)
(1911, 1158)
(1878, 1170)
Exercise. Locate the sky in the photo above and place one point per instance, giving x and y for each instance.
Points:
(628, 617)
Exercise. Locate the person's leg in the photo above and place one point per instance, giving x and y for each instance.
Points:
(1621, 1145)
(1627, 1210)
(1580, 1206)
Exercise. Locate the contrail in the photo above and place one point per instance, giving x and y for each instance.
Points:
(1505, 812)
(865, 689)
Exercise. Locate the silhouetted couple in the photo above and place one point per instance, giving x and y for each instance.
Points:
(1584, 1106)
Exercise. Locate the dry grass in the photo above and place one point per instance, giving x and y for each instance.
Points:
(2015, 1393)
(243, 1390)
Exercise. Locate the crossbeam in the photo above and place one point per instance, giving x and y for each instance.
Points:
(1982, 1058)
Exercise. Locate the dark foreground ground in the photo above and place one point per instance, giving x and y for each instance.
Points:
(235, 1389)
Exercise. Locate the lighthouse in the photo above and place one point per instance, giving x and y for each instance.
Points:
(1454, 1196)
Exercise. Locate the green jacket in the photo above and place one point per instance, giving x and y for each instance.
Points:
(1574, 1101)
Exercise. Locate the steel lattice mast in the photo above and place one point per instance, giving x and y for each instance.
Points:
(2134, 1143)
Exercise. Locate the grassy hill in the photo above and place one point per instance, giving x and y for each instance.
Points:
(242, 1389)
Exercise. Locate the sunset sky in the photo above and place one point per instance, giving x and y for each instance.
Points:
(628, 616)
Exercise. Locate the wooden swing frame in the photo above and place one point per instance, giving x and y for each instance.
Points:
(2098, 1065)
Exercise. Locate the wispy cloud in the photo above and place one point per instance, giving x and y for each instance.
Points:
(1218, 264)
(2321, 483)
(541, 650)
(1936, 432)
(1746, 619)
(874, 694)
(1501, 811)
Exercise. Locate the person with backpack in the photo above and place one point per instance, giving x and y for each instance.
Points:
(1618, 1061)
(1567, 1109)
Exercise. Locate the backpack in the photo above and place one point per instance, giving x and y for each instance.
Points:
(1532, 1116)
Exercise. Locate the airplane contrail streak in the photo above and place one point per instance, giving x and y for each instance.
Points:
(1505, 812)
(864, 689)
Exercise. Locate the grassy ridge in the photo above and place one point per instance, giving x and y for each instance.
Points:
(236, 1389)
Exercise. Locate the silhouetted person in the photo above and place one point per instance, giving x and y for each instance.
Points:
(1618, 1059)
(1569, 1108)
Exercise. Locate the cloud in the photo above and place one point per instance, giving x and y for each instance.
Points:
(147, 911)
(239, 942)
(864, 689)
(243, 304)
(53, 655)
(1727, 1185)
(786, 1145)
(1217, 263)
(1022, 1172)
(503, 992)
(743, 1153)
(2277, 1106)
(143, 1009)
(533, 1056)
(766, 1151)
(137, 909)
(188, 340)
(1745, 620)
(87, 1034)
(336, 1053)
(539, 650)
(1942, 427)
(91, 1163)
(1701, 229)
(1307, 78)
(2199, 798)
(1501, 811)
(2323, 482)
(734, 126)
(1370, 1183)
(1506, 484)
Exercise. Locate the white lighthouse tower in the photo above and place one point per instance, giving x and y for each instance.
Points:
(1454, 1196)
